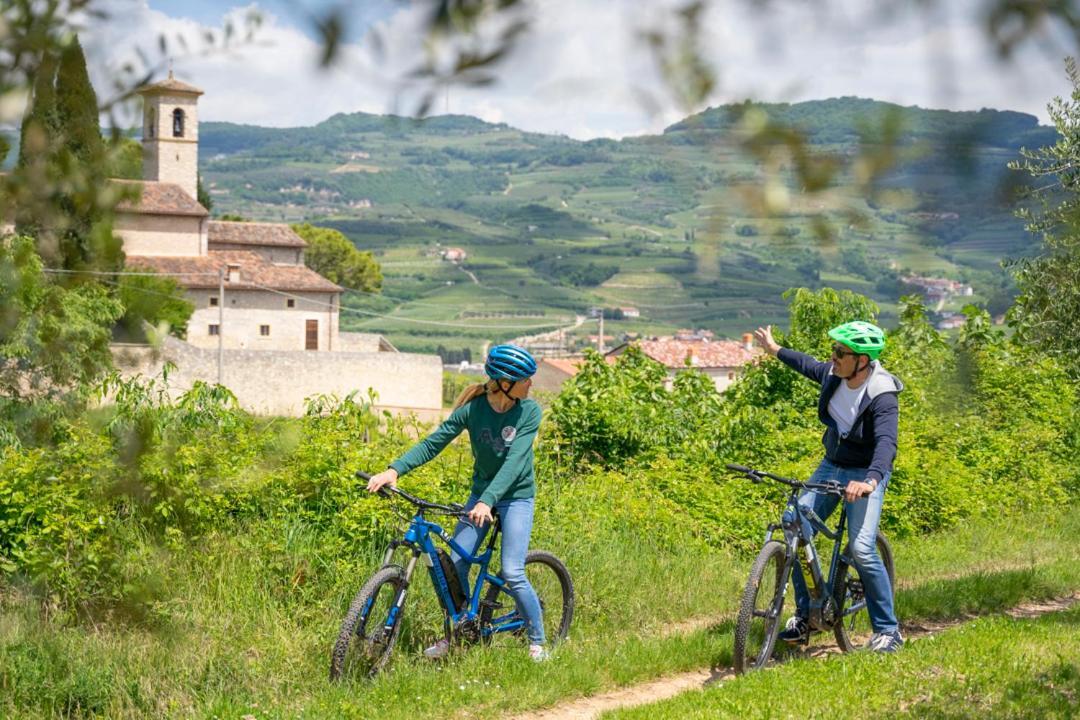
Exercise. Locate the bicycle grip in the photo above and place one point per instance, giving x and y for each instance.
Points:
(739, 468)
(362, 475)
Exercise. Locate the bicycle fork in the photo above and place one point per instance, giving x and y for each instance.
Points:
(394, 616)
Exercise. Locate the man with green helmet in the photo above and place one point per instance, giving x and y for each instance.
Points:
(859, 409)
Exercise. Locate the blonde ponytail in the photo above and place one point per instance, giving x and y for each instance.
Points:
(474, 391)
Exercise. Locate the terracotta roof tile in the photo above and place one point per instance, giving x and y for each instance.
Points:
(169, 85)
(160, 198)
(255, 272)
(702, 353)
(254, 233)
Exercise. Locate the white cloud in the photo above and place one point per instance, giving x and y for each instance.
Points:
(581, 71)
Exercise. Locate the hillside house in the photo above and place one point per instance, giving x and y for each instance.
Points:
(721, 360)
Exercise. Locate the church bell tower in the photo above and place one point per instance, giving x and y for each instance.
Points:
(170, 133)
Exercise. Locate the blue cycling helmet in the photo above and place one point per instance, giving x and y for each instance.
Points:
(509, 362)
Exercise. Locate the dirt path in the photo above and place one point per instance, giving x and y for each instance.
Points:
(672, 685)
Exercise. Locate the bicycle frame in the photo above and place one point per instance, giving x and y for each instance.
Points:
(418, 538)
(822, 591)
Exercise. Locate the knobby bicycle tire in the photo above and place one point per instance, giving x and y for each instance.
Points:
(847, 578)
(565, 605)
(372, 648)
(769, 566)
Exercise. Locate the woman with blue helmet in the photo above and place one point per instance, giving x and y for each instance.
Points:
(502, 423)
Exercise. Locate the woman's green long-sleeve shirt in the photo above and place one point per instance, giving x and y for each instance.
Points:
(501, 448)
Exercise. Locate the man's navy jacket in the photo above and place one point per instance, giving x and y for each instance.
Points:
(871, 442)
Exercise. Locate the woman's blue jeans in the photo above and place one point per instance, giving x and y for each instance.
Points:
(863, 517)
(516, 517)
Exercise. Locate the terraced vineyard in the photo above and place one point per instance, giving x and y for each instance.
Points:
(552, 226)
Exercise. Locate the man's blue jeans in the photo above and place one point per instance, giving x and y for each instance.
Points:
(516, 517)
(863, 517)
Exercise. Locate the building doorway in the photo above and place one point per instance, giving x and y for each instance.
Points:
(311, 341)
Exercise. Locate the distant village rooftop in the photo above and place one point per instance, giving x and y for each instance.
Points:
(674, 354)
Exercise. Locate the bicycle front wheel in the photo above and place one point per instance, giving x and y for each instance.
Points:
(759, 612)
(551, 580)
(371, 626)
(850, 595)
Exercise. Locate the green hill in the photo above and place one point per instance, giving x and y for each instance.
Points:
(553, 225)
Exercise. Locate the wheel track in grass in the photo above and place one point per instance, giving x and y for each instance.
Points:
(663, 688)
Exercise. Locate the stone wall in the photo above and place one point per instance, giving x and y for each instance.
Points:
(276, 383)
(363, 342)
(163, 235)
(246, 311)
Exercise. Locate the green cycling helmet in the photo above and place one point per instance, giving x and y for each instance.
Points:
(862, 337)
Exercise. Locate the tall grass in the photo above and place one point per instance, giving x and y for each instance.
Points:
(244, 631)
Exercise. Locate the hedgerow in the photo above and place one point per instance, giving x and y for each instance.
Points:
(92, 518)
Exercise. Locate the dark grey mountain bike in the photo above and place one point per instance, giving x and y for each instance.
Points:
(836, 602)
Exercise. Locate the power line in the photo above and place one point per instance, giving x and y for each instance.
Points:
(60, 271)
(404, 319)
(309, 301)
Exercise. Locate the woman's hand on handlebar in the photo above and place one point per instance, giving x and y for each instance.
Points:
(386, 477)
(480, 515)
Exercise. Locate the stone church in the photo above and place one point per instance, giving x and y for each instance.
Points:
(264, 324)
(271, 300)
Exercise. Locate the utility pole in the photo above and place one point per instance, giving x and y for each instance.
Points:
(220, 326)
(600, 340)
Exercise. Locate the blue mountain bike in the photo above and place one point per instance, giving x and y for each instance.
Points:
(836, 601)
(374, 619)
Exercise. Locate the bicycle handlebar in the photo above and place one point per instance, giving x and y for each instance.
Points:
(829, 488)
(454, 509)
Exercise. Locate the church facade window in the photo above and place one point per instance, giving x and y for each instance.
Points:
(178, 123)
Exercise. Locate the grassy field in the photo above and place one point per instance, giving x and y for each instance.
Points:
(997, 667)
(240, 638)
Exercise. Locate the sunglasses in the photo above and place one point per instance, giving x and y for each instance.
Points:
(840, 352)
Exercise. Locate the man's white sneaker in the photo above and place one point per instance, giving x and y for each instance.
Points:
(538, 653)
(438, 651)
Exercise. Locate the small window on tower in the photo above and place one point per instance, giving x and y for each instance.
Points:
(213, 301)
(178, 123)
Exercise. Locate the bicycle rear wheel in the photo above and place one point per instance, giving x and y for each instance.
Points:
(850, 594)
(760, 611)
(371, 626)
(555, 589)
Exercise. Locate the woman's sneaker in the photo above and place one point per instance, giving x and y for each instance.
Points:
(438, 651)
(886, 642)
(796, 631)
(539, 653)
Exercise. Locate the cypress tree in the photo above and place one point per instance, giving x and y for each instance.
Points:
(37, 140)
(88, 240)
(77, 108)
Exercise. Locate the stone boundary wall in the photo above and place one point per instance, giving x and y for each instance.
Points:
(276, 382)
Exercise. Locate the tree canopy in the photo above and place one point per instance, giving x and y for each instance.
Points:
(333, 256)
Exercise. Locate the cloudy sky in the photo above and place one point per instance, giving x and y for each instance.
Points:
(582, 70)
